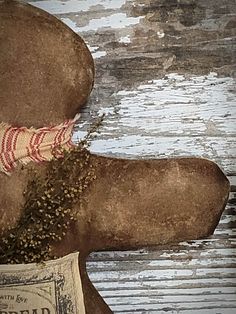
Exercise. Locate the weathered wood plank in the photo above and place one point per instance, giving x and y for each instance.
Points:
(171, 292)
(165, 274)
(173, 299)
(174, 311)
(187, 284)
(173, 106)
(70, 6)
(163, 264)
(177, 307)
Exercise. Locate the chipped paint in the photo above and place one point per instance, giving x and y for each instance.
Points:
(125, 40)
(70, 24)
(169, 117)
(160, 34)
(64, 7)
(96, 53)
(118, 20)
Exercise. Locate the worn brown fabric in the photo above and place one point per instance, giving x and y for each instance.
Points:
(136, 203)
(46, 74)
(46, 70)
(11, 197)
(131, 204)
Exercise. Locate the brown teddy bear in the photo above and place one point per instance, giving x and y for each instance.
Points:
(56, 198)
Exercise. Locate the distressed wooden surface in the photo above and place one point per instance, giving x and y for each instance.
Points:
(191, 277)
(165, 78)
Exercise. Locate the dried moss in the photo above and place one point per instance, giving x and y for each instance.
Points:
(48, 208)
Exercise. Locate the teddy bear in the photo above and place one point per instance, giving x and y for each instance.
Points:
(57, 197)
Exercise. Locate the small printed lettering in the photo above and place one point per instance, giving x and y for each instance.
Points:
(7, 297)
(20, 299)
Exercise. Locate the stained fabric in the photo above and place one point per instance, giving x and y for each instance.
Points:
(51, 287)
(22, 145)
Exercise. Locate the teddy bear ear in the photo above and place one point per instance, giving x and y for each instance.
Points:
(46, 70)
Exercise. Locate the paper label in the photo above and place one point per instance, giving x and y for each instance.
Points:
(53, 287)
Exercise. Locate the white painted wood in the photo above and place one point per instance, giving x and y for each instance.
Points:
(217, 306)
(159, 104)
(172, 292)
(175, 311)
(187, 284)
(162, 274)
(219, 311)
(163, 264)
(75, 6)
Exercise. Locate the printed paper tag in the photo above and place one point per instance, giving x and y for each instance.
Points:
(53, 287)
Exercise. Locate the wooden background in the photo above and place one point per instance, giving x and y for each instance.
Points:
(165, 74)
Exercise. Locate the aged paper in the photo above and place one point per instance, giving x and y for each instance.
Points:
(53, 287)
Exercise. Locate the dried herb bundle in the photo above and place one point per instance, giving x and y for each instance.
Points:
(48, 208)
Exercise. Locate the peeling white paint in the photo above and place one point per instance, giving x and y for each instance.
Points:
(106, 111)
(231, 232)
(228, 219)
(71, 24)
(96, 53)
(165, 284)
(118, 20)
(125, 40)
(79, 135)
(99, 54)
(173, 299)
(173, 263)
(221, 307)
(64, 7)
(173, 116)
(174, 291)
(161, 147)
(160, 34)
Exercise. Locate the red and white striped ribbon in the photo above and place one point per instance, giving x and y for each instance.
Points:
(22, 145)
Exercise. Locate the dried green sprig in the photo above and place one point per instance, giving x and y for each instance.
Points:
(48, 209)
